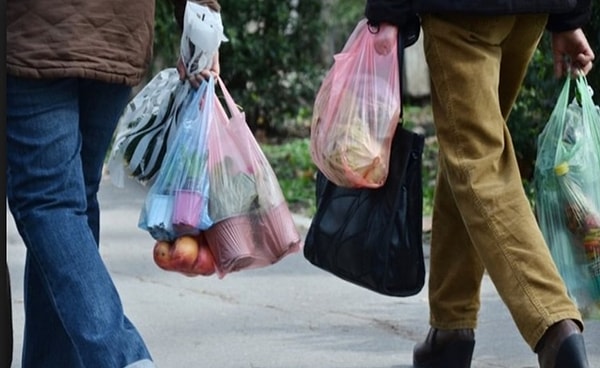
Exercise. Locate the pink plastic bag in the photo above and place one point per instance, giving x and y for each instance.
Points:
(253, 226)
(356, 112)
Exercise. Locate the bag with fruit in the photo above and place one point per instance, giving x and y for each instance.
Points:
(356, 112)
(251, 224)
(177, 202)
(187, 254)
(567, 182)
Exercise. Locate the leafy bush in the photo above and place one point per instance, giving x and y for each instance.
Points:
(272, 63)
(166, 37)
(296, 172)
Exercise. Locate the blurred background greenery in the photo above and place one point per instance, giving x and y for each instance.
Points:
(277, 55)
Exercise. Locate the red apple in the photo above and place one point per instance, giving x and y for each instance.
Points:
(163, 252)
(185, 253)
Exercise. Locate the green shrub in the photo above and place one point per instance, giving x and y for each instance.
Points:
(272, 62)
(295, 171)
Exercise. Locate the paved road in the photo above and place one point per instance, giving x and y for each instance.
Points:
(289, 315)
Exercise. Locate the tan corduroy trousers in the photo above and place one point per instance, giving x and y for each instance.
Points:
(482, 219)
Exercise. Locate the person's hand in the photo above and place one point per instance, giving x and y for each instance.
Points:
(386, 38)
(196, 79)
(571, 51)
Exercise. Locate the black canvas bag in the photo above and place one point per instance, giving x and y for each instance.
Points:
(373, 237)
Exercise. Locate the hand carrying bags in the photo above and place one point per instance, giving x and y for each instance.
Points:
(373, 237)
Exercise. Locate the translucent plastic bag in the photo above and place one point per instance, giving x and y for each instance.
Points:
(567, 181)
(253, 225)
(356, 112)
(177, 202)
(147, 128)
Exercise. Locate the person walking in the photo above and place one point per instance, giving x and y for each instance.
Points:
(70, 68)
(477, 53)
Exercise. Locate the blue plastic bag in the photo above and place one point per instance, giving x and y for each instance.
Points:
(177, 202)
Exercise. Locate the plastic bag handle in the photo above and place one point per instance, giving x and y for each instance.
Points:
(400, 56)
(590, 110)
(231, 105)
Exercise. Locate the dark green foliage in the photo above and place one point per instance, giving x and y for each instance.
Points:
(276, 57)
(271, 63)
(592, 31)
(166, 37)
(533, 107)
(295, 172)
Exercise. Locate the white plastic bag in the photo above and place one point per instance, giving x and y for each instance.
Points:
(202, 35)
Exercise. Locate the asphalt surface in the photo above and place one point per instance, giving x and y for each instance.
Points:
(288, 315)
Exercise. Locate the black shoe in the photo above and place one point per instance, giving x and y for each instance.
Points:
(445, 349)
(562, 346)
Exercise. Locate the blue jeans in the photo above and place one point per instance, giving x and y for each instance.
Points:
(58, 132)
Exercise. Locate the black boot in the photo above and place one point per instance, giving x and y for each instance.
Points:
(562, 346)
(445, 349)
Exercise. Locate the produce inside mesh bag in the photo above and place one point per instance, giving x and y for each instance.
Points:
(356, 112)
(147, 128)
(253, 226)
(202, 35)
(567, 180)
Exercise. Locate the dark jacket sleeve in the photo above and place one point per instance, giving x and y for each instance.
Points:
(574, 19)
(397, 12)
(388, 11)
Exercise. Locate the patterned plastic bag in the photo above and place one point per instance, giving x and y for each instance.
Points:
(146, 129)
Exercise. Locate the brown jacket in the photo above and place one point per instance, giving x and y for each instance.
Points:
(106, 40)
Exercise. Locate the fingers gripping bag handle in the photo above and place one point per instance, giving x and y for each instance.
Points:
(356, 112)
